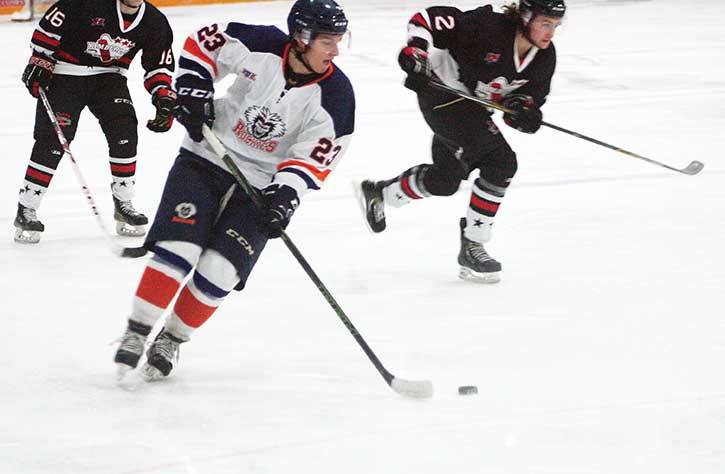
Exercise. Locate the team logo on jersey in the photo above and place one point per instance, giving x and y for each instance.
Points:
(109, 49)
(498, 88)
(260, 127)
(492, 57)
(185, 211)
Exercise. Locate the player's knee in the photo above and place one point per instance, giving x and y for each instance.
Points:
(177, 254)
(122, 137)
(47, 151)
(502, 171)
(439, 182)
(216, 275)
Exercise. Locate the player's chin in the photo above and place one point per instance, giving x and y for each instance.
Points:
(543, 44)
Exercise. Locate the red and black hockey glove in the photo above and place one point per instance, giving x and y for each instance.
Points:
(38, 73)
(280, 202)
(164, 100)
(194, 104)
(413, 59)
(527, 117)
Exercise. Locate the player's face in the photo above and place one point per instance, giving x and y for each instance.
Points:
(542, 29)
(133, 4)
(322, 50)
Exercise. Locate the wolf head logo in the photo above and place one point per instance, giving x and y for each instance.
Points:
(263, 124)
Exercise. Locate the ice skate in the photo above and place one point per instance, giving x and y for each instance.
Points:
(370, 197)
(28, 228)
(476, 264)
(131, 348)
(161, 356)
(129, 222)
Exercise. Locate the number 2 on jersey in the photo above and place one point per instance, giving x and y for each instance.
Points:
(211, 38)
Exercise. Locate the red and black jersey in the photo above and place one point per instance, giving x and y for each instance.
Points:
(476, 51)
(88, 37)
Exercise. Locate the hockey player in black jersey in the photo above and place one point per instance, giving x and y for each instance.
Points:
(81, 51)
(502, 57)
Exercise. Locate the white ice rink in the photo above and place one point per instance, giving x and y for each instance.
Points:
(602, 351)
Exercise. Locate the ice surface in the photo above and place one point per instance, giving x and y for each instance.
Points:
(600, 352)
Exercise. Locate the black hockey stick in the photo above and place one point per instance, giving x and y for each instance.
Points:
(693, 168)
(410, 388)
(119, 250)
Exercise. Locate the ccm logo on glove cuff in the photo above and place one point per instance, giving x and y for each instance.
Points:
(198, 93)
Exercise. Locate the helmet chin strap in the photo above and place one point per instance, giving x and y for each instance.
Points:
(301, 57)
(526, 19)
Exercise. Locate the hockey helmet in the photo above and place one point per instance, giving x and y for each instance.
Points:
(313, 17)
(554, 8)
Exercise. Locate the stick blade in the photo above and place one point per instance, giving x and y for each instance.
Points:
(693, 168)
(412, 388)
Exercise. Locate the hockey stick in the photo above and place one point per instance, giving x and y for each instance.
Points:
(127, 252)
(693, 168)
(410, 388)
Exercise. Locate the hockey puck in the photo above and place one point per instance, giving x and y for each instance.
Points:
(467, 390)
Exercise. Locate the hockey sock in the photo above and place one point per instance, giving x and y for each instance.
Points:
(123, 171)
(41, 169)
(483, 205)
(161, 279)
(406, 187)
(213, 279)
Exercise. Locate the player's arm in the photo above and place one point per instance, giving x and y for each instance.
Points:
(310, 161)
(44, 43)
(208, 55)
(159, 63)
(434, 26)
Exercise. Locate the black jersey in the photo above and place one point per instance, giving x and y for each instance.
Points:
(88, 37)
(475, 51)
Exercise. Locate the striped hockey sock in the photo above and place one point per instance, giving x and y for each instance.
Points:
(482, 208)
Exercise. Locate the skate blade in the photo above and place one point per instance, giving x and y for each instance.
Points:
(151, 373)
(360, 198)
(27, 236)
(467, 274)
(127, 230)
(122, 370)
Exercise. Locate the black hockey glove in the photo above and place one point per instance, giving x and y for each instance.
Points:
(194, 104)
(527, 117)
(38, 73)
(414, 61)
(164, 100)
(280, 203)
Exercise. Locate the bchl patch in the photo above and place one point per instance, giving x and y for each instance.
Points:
(184, 213)
(492, 57)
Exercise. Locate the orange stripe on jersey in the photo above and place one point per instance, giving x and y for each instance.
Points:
(192, 48)
(318, 173)
(190, 310)
(157, 288)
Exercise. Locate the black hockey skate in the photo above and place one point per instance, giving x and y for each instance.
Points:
(370, 197)
(29, 228)
(129, 222)
(131, 348)
(161, 356)
(476, 264)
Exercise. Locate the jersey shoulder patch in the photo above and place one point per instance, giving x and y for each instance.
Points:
(338, 100)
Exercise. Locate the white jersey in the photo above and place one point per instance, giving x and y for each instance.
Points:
(275, 133)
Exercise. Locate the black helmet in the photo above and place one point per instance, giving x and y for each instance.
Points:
(555, 8)
(316, 16)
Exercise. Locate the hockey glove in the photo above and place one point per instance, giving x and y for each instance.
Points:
(38, 73)
(280, 203)
(164, 100)
(414, 61)
(194, 104)
(527, 116)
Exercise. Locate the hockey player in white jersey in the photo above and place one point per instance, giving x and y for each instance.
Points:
(286, 120)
